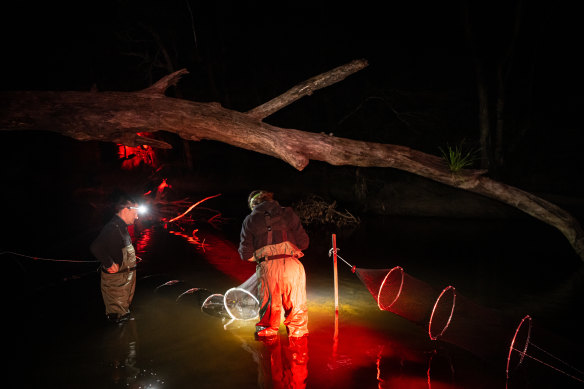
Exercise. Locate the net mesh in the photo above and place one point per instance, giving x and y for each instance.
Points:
(448, 316)
(239, 303)
(398, 292)
(480, 330)
(451, 317)
(214, 305)
(195, 296)
(519, 344)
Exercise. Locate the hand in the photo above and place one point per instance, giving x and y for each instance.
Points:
(113, 269)
(252, 259)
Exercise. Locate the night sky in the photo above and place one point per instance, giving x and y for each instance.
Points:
(419, 89)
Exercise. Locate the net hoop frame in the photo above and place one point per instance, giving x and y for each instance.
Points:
(227, 309)
(512, 345)
(434, 310)
(401, 270)
(208, 297)
(188, 291)
(167, 283)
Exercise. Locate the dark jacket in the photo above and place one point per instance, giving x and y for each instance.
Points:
(284, 222)
(108, 245)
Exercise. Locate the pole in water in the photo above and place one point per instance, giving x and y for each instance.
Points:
(336, 278)
(336, 281)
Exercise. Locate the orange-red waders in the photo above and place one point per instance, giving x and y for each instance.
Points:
(282, 288)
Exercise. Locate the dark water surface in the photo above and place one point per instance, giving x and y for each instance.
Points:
(502, 270)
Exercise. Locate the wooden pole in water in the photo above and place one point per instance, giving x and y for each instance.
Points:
(336, 281)
(335, 274)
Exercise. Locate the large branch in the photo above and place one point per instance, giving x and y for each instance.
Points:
(307, 88)
(120, 116)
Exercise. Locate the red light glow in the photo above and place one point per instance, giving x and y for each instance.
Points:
(144, 241)
(135, 156)
(390, 288)
(222, 254)
(191, 207)
(521, 336)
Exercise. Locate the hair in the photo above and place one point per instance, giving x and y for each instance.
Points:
(257, 197)
(122, 200)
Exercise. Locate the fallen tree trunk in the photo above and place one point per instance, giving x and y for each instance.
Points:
(120, 116)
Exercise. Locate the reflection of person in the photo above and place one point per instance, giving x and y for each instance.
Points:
(284, 365)
(113, 247)
(273, 236)
(281, 363)
(120, 348)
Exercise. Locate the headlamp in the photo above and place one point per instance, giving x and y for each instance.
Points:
(140, 208)
(252, 200)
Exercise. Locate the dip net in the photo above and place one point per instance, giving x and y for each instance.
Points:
(238, 303)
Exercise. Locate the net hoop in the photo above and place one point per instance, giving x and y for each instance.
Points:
(168, 283)
(448, 288)
(188, 291)
(227, 308)
(526, 319)
(209, 297)
(383, 283)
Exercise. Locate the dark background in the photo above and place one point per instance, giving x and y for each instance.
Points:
(419, 90)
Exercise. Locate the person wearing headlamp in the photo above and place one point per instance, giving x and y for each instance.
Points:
(113, 248)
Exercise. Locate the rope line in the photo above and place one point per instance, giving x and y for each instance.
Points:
(341, 258)
(79, 276)
(69, 278)
(338, 256)
(548, 365)
(45, 259)
(556, 358)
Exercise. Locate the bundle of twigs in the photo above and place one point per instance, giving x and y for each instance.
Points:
(315, 210)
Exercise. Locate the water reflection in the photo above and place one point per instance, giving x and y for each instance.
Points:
(120, 354)
(172, 343)
(282, 362)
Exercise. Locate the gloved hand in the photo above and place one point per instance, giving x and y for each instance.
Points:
(113, 268)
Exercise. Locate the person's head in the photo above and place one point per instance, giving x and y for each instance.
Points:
(257, 197)
(127, 209)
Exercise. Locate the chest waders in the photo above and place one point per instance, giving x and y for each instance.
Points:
(282, 284)
(118, 288)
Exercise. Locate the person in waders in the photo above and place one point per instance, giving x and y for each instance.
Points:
(113, 248)
(273, 237)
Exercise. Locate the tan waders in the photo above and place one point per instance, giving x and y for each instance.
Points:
(118, 288)
(282, 288)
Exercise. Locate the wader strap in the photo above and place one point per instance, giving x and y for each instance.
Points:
(270, 257)
(268, 219)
